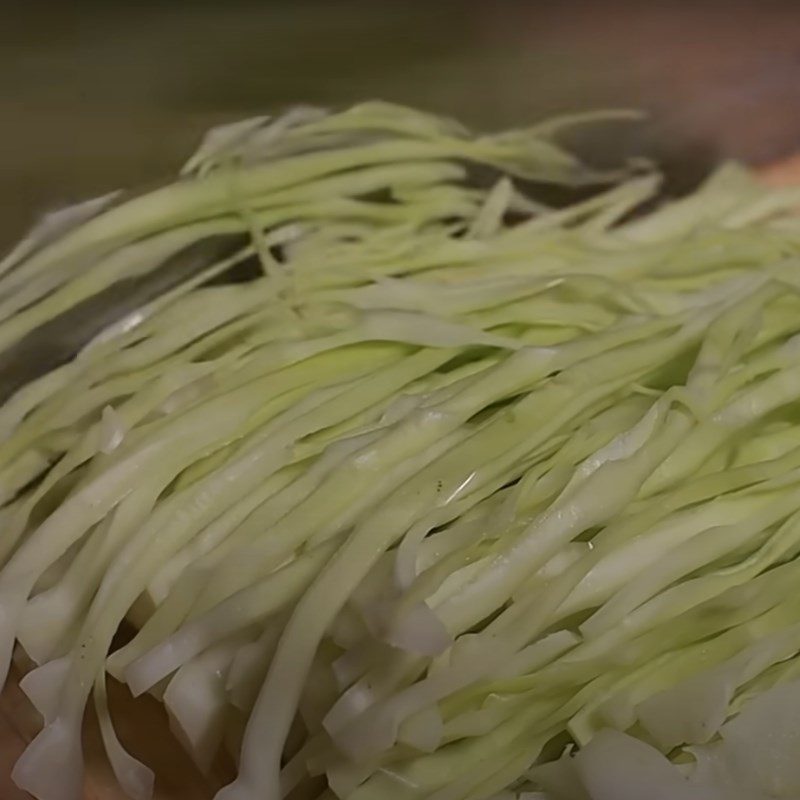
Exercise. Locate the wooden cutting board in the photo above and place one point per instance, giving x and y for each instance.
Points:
(142, 724)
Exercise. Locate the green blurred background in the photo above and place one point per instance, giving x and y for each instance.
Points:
(94, 96)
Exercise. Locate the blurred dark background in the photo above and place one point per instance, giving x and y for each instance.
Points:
(95, 95)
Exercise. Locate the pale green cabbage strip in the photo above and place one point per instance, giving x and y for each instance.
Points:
(458, 497)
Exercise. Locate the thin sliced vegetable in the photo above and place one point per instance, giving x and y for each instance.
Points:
(412, 488)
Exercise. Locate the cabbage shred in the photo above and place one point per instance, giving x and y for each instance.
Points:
(458, 496)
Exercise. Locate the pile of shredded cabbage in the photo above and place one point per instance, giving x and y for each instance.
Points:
(459, 496)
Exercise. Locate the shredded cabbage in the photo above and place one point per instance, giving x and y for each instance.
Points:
(410, 485)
